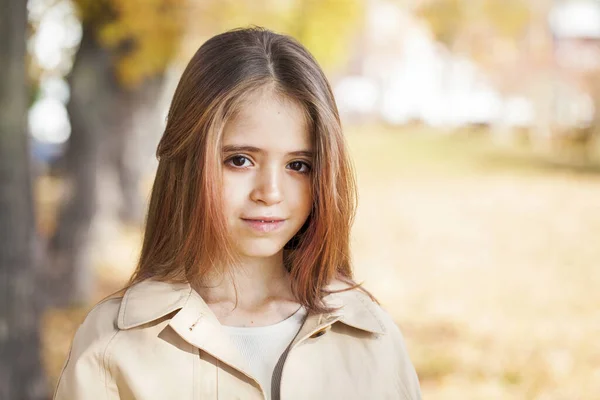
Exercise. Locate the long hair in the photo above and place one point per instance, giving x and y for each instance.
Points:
(186, 234)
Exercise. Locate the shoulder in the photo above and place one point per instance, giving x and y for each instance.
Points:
(100, 323)
(359, 308)
(406, 378)
(86, 363)
(364, 312)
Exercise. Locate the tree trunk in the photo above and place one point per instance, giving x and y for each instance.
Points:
(141, 128)
(71, 277)
(21, 375)
(102, 166)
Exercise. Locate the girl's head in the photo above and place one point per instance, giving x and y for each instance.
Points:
(253, 133)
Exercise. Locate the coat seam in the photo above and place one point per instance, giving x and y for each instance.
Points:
(122, 315)
(404, 391)
(63, 371)
(194, 372)
(105, 363)
(217, 377)
(366, 306)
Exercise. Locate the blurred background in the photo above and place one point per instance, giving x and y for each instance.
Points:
(475, 130)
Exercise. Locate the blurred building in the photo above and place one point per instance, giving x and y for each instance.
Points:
(401, 74)
(575, 27)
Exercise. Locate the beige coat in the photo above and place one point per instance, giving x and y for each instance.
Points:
(161, 341)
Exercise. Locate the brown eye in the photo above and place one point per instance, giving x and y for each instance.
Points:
(238, 161)
(299, 166)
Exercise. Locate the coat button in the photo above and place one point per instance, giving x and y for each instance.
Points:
(320, 332)
(194, 324)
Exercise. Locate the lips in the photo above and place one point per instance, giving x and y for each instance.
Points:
(264, 219)
(264, 224)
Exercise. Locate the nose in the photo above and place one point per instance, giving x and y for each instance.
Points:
(268, 187)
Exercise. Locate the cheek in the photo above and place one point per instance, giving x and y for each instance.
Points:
(233, 190)
(227, 186)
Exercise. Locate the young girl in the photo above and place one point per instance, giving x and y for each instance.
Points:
(244, 286)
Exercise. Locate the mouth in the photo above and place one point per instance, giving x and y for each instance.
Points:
(264, 224)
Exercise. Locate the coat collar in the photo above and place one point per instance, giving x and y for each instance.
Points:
(150, 300)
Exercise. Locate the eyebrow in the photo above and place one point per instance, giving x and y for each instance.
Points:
(251, 149)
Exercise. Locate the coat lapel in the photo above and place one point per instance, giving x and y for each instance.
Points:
(195, 322)
(198, 325)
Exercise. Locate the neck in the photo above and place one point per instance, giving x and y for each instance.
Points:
(253, 282)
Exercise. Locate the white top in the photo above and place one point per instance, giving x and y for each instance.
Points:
(264, 349)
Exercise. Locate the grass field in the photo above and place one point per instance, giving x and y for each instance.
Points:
(488, 259)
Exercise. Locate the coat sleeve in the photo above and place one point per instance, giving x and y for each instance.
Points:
(402, 374)
(86, 372)
(407, 380)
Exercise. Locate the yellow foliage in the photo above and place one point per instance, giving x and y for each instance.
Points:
(448, 19)
(145, 35)
(509, 17)
(325, 27)
(445, 18)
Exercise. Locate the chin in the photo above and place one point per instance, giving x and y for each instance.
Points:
(259, 250)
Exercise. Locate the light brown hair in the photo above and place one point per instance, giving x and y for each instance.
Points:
(186, 233)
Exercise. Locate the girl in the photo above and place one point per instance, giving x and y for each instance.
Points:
(244, 287)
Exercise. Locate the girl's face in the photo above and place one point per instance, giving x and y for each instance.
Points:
(267, 156)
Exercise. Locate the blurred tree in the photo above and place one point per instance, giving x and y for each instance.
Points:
(511, 40)
(445, 18)
(21, 375)
(326, 27)
(117, 74)
(473, 28)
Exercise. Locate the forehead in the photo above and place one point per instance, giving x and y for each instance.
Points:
(270, 121)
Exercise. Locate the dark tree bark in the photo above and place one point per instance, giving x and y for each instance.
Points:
(71, 279)
(21, 375)
(102, 149)
(141, 127)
